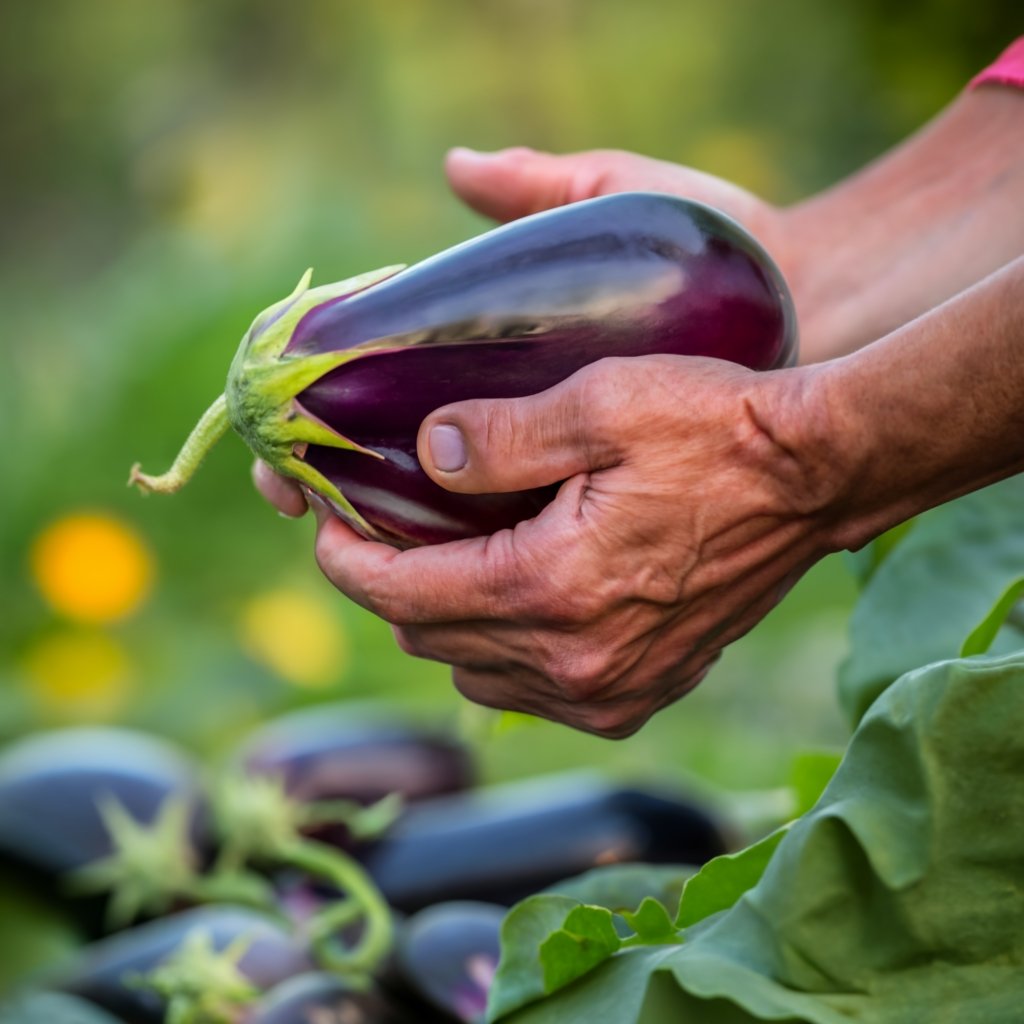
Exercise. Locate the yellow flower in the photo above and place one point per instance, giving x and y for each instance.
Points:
(295, 635)
(91, 567)
(79, 674)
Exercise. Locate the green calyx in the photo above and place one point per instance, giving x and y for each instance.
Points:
(259, 401)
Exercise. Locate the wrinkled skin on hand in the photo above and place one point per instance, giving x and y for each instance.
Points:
(684, 517)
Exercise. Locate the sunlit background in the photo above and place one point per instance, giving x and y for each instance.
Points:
(169, 169)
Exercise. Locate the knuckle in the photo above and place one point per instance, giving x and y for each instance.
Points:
(408, 641)
(612, 721)
(578, 675)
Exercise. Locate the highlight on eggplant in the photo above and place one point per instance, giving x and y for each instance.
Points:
(331, 384)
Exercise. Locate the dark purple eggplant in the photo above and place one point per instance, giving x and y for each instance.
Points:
(52, 787)
(326, 998)
(448, 954)
(503, 845)
(106, 973)
(53, 1008)
(331, 385)
(325, 753)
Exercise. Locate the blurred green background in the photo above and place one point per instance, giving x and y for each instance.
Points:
(170, 168)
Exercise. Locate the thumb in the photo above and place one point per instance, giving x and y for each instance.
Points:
(490, 446)
(512, 183)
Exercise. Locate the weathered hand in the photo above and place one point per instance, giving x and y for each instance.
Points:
(685, 514)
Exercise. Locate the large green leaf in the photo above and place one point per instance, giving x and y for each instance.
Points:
(932, 589)
(898, 899)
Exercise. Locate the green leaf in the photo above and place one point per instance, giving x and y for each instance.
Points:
(723, 880)
(930, 592)
(622, 887)
(809, 774)
(652, 924)
(587, 937)
(981, 637)
(520, 976)
(899, 898)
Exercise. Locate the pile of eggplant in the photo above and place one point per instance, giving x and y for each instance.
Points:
(124, 835)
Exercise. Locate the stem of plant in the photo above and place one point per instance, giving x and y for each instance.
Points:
(364, 900)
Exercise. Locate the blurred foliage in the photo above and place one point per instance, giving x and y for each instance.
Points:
(170, 168)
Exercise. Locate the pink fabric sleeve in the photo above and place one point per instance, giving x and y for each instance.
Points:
(1008, 69)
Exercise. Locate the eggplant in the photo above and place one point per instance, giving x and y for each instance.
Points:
(106, 972)
(324, 753)
(52, 787)
(501, 845)
(448, 955)
(317, 997)
(331, 384)
(53, 1008)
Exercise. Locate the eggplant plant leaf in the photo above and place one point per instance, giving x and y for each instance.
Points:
(723, 880)
(932, 589)
(981, 637)
(652, 925)
(899, 898)
(587, 937)
(621, 887)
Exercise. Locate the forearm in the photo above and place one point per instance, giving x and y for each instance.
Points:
(930, 412)
(927, 220)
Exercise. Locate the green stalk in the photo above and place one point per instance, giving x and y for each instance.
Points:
(364, 900)
(207, 432)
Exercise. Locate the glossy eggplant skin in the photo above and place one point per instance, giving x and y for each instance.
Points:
(53, 1008)
(315, 998)
(514, 312)
(448, 954)
(51, 785)
(101, 971)
(503, 845)
(327, 753)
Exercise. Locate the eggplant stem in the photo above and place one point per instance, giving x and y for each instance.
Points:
(206, 433)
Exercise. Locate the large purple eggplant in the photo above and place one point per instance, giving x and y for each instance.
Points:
(501, 844)
(331, 385)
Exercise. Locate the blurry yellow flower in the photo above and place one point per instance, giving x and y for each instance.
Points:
(91, 567)
(79, 674)
(295, 635)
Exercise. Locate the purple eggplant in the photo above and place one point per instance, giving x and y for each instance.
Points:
(316, 997)
(325, 753)
(52, 1008)
(501, 845)
(331, 384)
(448, 954)
(107, 973)
(53, 789)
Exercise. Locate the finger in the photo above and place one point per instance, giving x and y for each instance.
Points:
(512, 183)
(282, 493)
(487, 446)
(481, 578)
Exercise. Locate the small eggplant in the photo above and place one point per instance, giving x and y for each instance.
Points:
(53, 789)
(331, 384)
(52, 1008)
(107, 973)
(504, 844)
(448, 954)
(318, 998)
(324, 753)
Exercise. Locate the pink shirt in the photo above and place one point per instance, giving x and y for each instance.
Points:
(1008, 69)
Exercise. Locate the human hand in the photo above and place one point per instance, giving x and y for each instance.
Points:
(516, 182)
(688, 509)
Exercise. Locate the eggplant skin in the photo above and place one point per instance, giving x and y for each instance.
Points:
(512, 313)
(502, 844)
